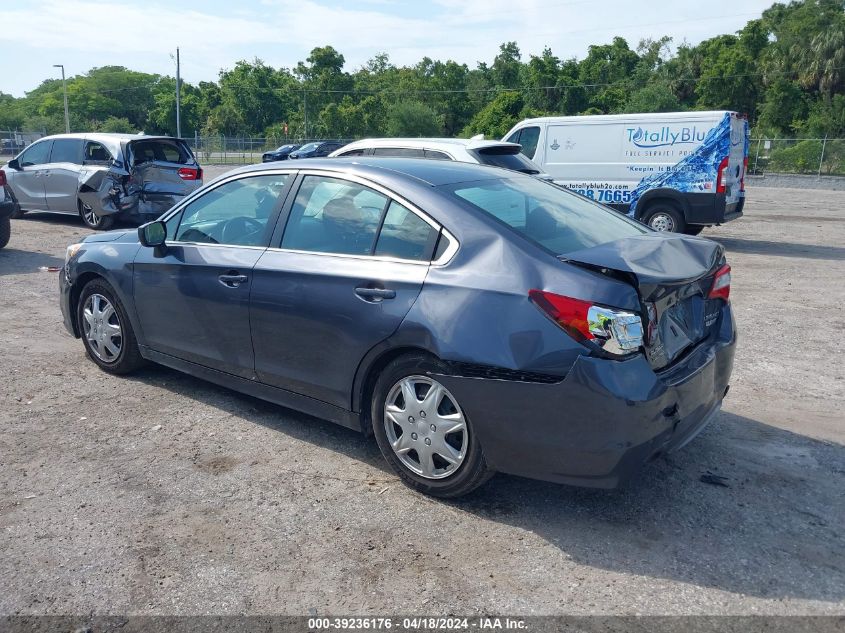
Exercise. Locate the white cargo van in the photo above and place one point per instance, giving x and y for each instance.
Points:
(676, 171)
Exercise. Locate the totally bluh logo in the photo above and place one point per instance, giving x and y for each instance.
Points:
(665, 136)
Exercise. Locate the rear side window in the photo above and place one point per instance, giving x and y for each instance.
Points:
(161, 150)
(406, 235)
(433, 153)
(405, 152)
(96, 153)
(36, 154)
(66, 150)
(331, 215)
(505, 156)
(548, 215)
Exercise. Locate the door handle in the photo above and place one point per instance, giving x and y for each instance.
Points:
(375, 294)
(232, 280)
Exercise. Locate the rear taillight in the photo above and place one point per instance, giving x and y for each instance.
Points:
(720, 176)
(744, 171)
(615, 331)
(721, 288)
(189, 173)
(2, 178)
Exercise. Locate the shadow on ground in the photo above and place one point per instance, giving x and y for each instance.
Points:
(775, 531)
(781, 249)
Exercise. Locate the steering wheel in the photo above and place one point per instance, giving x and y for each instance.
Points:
(236, 230)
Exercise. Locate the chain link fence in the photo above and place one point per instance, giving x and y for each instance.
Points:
(814, 156)
(13, 141)
(241, 150)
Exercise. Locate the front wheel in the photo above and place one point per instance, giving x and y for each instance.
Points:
(422, 431)
(664, 218)
(106, 331)
(94, 221)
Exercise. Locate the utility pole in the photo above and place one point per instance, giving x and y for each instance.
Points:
(178, 108)
(64, 87)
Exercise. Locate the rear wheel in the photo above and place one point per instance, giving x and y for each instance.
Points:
(5, 231)
(664, 217)
(106, 331)
(94, 221)
(423, 432)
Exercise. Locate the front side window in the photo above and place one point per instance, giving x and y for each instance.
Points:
(36, 154)
(528, 138)
(235, 213)
(558, 220)
(66, 150)
(406, 235)
(331, 215)
(354, 152)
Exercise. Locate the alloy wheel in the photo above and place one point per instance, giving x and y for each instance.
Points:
(425, 427)
(101, 327)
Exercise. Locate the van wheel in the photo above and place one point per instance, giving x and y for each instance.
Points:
(664, 217)
(92, 220)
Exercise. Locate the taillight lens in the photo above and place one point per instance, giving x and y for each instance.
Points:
(744, 171)
(721, 288)
(720, 175)
(190, 173)
(2, 178)
(615, 331)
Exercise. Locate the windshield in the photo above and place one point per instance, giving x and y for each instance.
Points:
(506, 156)
(556, 219)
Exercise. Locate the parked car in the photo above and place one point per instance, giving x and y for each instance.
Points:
(102, 177)
(317, 149)
(472, 319)
(474, 150)
(675, 171)
(280, 153)
(8, 208)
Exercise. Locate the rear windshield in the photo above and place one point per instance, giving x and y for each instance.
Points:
(505, 156)
(161, 150)
(556, 219)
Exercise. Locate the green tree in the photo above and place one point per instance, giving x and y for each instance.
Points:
(412, 119)
(500, 115)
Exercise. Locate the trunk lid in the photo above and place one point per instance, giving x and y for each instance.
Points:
(673, 275)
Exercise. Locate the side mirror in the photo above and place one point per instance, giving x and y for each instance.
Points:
(14, 164)
(152, 233)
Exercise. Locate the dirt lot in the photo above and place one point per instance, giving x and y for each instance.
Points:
(162, 494)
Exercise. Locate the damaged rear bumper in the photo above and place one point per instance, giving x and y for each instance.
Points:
(600, 424)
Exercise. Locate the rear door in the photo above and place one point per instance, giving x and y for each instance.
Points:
(349, 265)
(28, 183)
(736, 160)
(193, 299)
(61, 180)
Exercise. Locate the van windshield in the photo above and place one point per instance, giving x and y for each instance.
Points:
(552, 217)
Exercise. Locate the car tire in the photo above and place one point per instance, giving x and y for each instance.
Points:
(422, 468)
(94, 221)
(5, 231)
(694, 229)
(111, 327)
(664, 217)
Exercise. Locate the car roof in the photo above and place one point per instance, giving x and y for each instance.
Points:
(425, 143)
(421, 170)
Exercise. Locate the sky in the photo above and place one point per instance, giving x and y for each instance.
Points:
(214, 34)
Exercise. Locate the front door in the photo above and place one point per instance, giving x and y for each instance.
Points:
(193, 299)
(345, 273)
(28, 183)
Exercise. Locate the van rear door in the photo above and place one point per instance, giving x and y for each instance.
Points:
(734, 173)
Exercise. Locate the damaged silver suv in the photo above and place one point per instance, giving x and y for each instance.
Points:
(103, 177)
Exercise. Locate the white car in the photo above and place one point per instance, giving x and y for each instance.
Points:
(474, 150)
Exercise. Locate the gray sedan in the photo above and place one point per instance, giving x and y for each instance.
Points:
(102, 177)
(473, 319)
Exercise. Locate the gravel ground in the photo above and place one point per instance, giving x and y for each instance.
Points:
(162, 494)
